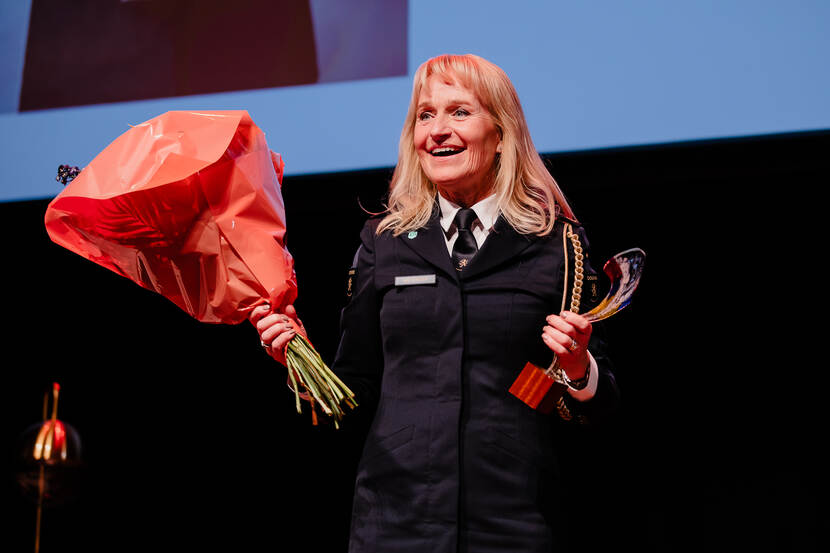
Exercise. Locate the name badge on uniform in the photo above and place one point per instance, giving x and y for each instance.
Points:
(414, 280)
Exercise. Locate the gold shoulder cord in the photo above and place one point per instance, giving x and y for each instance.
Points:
(576, 296)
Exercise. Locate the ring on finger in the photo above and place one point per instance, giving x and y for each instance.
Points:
(574, 345)
(263, 344)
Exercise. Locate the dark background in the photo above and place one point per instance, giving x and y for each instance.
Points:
(191, 441)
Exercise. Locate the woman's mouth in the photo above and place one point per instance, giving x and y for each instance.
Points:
(445, 151)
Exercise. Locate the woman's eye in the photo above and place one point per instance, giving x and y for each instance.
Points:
(460, 112)
(423, 116)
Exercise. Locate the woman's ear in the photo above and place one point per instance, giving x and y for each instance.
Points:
(498, 147)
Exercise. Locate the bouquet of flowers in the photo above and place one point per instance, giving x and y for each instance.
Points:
(189, 204)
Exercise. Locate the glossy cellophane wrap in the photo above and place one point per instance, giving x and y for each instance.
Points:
(187, 204)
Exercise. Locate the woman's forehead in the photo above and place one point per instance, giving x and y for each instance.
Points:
(444, 83)
(447, 76)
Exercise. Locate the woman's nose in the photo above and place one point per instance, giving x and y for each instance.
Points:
(440, 129)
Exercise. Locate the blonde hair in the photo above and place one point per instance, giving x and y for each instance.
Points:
(528, 195)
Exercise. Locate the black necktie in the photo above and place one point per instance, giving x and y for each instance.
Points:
(465, 246)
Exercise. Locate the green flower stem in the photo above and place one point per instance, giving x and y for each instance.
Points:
(294, 387)
(334, 383)
(325, 382)
(307, 369)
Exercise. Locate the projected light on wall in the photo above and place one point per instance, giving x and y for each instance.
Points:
(89, 52)
(329, 80)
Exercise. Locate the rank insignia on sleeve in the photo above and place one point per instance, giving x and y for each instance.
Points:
(352, 274)
(592, 282)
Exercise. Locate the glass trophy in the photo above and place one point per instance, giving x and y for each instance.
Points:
(624, 270)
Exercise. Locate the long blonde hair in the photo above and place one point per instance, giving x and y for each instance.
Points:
(528, 195)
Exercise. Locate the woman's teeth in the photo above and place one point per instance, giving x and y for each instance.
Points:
(446, 151)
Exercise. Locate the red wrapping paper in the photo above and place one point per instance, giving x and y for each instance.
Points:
(187, 204)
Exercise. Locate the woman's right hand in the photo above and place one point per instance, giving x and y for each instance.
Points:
(276, 329)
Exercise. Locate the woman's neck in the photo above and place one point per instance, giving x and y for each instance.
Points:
(466, 198)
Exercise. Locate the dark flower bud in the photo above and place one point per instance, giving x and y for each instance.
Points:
(66, 173)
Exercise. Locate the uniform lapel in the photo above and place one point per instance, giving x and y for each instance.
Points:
(429, 243)
(502, 244)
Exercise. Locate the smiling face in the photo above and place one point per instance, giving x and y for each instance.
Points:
(456, 140)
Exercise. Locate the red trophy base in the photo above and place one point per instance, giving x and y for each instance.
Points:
(537, 389)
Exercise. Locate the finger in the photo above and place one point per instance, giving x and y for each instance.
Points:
(259, 312)
(279, 343)
(562, 325)
(274, 331)
(572, 347)
(582, 325)
(557, 348)
(292, 312)
(267, 322)
(559, 337)
(576, 326)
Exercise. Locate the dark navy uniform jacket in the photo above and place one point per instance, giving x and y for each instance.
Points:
(453, 461)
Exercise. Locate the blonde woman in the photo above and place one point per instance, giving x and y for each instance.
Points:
(458, 286)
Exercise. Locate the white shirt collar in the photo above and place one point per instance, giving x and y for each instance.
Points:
(487, 211)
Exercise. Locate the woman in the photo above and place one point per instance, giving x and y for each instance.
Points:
(448, 306)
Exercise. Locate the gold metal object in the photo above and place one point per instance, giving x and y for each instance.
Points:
(624, 270)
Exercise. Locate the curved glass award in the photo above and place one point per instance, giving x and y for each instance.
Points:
(533, 386)
(624, 270)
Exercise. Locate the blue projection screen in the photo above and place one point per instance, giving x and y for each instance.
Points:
(329, 80)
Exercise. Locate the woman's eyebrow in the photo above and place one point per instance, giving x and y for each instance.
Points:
(452, 103)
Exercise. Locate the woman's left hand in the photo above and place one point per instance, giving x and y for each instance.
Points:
(567, 334)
